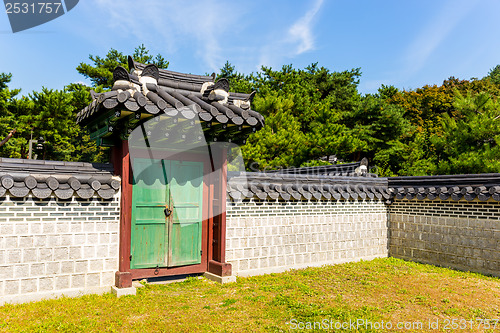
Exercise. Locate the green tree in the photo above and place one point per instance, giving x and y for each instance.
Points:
(425, 108)
(304, 110)
(470, 143)
(379, 127)
(8, 121)
(54, 119)
(49, 114)
(281, 142)
(385, 92)
(494, 74)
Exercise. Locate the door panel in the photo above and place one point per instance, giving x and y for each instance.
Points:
(186, 194)
(155, 239)
(149, 229)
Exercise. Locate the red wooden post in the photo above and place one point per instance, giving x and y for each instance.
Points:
(218, 265)
(222, 205)
(123, 278)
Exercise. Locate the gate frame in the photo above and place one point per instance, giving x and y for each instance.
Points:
(213, 227)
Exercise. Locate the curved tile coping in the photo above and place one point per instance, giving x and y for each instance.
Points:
(20, 177)
(482, 187)
(272, 186)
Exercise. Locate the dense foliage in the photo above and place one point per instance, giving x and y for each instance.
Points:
(310, 113)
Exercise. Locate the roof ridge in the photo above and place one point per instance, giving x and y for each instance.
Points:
(169, 74)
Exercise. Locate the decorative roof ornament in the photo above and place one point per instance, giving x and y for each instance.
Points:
(218, 91)
(362, 169)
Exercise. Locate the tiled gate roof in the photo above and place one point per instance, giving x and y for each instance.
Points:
(147, 91)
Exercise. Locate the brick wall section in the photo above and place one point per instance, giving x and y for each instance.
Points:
(462, 235)
(272, 236)
(52, 247)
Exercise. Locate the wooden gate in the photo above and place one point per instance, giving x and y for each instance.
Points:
(166, 213)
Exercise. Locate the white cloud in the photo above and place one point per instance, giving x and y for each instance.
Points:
(297, 39)
(171, 25)
(300, 31)
(210, 31)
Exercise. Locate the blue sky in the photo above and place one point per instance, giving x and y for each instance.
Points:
(406, 43)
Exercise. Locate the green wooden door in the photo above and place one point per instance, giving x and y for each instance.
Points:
(149, 229)
(186, 193)
(157, 240)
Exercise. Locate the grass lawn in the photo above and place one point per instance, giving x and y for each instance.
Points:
(388, 290)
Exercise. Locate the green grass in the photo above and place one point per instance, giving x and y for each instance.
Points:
(382, 289)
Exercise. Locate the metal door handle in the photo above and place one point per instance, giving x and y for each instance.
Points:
(167, 211)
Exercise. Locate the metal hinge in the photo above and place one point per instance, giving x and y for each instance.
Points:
(130, 257)
(201, 252)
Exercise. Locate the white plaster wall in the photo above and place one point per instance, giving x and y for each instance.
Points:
(272, 236)
(53, 247)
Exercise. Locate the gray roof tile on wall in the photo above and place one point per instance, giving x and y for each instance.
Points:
(297, 186)
(283, 186)
(482, 187)
(20, 177)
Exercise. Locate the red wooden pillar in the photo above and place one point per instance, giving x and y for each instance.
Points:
(121, 162)
(218, 265)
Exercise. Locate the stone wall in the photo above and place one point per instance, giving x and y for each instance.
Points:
(52, 247)
(458, 234)
(273, 236)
